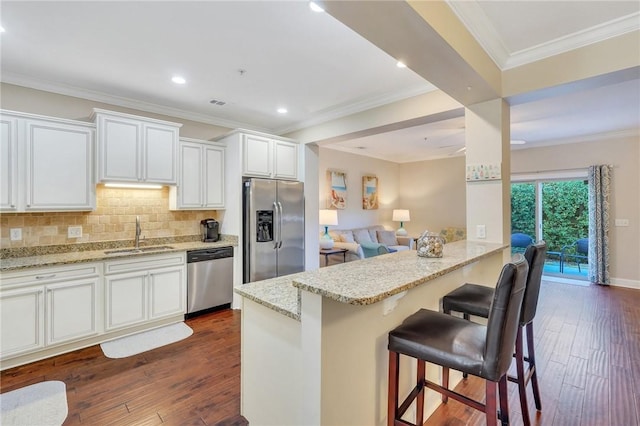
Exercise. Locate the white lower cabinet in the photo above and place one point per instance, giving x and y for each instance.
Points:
(47, 307)
(49, 311)
(22, 316)
(144, 289)
(72, 310)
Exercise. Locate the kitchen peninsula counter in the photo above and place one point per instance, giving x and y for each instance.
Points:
(317, 339)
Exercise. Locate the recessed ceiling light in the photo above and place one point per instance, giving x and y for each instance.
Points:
(518, 142)
(178, 80)
(282, 110)
(400, 64)
(314, 6)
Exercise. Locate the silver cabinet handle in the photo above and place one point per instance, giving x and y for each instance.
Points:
(44, 277)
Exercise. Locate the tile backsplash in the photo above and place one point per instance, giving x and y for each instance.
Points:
(113, 219)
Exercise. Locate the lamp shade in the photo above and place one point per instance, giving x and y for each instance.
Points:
(401, 216)
(328, 217)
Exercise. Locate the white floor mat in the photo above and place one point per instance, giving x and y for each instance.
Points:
(145, 341)
(42, 404)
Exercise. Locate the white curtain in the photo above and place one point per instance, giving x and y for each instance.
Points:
(599, 195)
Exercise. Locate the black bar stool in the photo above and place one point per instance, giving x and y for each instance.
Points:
(473, 299)
(484, 351)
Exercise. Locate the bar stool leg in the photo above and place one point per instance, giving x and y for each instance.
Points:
(521, 378)
(532, 366)
(420, 398)
(491, 409)
(392, 404)
(445, 383)
(504, 400)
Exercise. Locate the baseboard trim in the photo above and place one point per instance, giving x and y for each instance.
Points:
(621, 282)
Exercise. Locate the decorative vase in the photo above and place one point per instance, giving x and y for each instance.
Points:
(430, 245)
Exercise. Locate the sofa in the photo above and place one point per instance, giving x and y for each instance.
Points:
(372, 237)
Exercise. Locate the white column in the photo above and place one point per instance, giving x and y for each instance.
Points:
(488, 144)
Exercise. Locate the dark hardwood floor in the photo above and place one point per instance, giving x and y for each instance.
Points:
(587, 342)
(192, 382)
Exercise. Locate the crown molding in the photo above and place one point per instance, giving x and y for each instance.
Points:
(595, 34)
(480, 26)
(355, 107)
(92, 95)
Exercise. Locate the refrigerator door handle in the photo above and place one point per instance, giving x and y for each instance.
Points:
(280, 225)
(276, 225)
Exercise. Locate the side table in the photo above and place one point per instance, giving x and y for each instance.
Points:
(327, 252)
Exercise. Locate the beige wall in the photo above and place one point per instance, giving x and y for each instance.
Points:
(623, 154)
(113, 219)
(356, 166)
(18, 98)
(435, 193)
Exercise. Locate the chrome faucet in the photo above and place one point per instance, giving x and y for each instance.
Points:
(138, 231)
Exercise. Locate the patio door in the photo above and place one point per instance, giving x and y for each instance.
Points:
(554, 210)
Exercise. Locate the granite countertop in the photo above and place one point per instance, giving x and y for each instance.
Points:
(275, 293)
(63, 255)
(366, 281)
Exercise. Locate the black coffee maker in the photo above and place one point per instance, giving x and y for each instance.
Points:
(210, 230)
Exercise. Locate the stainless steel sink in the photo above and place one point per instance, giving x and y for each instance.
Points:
(138, 250)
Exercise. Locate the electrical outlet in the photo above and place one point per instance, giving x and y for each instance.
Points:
(481, 231)
(622, 222)
(74, 232)
(16, 234)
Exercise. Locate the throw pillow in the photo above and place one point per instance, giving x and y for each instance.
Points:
(347, 237)
(373, 235)
(388, 238)
(362, 236)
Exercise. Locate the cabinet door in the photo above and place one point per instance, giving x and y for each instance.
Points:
(190, 186)
(8, 164)
(214, 177)
(125, 300)
(21, 321)
(160, 148)
(257, 156)
(71, 310)
(59, 167)
(167, 292)
(285, 160)
(119, 145)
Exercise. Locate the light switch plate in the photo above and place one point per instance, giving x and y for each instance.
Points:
(622, 222)
(481, 231)
(16, 234)
(74, 232)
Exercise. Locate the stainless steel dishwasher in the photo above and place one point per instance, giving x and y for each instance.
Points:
(209, 279)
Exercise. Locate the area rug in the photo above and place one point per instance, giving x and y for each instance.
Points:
(42, 404)
(145, 341)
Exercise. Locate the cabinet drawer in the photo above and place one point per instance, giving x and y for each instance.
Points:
(138, 263)
(48, 275)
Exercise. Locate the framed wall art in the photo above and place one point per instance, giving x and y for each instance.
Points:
(337, 184)
(369, 192)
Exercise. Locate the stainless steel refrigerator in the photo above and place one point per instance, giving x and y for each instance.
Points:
(273, 228)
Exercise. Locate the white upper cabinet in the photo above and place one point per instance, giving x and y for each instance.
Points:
(136, 149)
(47, 164)
(270, 158)
(201, 176)
(8, 163)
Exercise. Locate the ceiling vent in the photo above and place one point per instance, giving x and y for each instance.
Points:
(216, 102)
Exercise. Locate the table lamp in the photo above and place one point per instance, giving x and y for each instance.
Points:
(401, 216)
(327, 218)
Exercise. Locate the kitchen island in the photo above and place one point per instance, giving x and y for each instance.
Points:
(314, 344)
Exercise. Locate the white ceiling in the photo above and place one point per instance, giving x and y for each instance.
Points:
(125, 53)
